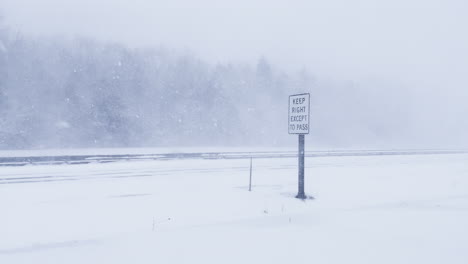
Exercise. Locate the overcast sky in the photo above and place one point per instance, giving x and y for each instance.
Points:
(421, 43)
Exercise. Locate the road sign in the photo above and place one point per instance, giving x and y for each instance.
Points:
(299, 112)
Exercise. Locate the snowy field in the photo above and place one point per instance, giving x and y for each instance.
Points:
(381, 209)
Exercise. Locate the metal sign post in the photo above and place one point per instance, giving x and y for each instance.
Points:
(301, 193)
(298, 123)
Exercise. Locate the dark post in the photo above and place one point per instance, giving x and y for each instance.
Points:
(301, 193)
(250, 179)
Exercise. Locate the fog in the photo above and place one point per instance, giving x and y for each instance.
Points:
(387, 74)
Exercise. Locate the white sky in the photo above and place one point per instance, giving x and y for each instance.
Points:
(413, 42)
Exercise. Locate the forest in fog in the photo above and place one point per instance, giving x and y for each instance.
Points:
(68, 93)
(85, 94)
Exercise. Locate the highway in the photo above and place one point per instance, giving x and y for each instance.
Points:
(86, 159)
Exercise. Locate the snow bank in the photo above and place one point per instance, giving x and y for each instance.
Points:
(393, 209)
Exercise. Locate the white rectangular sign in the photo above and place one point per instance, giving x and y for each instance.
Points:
(299, 112)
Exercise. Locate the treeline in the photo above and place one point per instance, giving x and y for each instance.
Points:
(82, 93)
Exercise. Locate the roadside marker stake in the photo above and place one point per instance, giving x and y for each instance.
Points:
(250, 179)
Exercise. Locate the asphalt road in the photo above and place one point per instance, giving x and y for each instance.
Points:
(86, 159)
(69, 174)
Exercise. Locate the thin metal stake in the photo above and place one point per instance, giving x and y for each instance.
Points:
(250, 179)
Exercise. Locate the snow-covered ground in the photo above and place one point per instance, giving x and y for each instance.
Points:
(382, 209)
